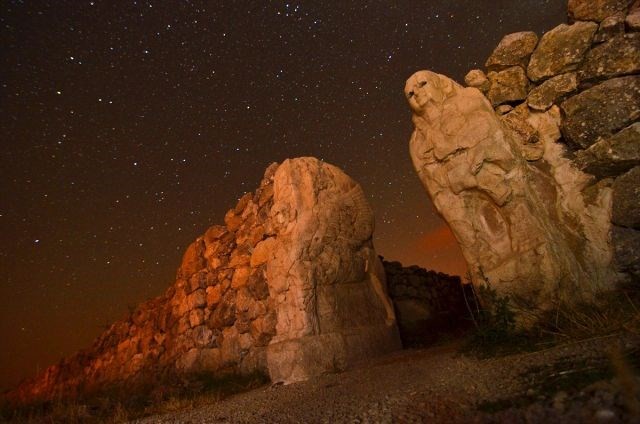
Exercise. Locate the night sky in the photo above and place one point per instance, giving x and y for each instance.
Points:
(129, 127)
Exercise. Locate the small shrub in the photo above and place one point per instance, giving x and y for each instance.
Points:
(495, 324)
(613, 312)
(498, 321)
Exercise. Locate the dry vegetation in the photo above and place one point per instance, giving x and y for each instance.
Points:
(494, 333)
(497, 331)
(122, 404)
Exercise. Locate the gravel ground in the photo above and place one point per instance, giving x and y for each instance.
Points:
(439, 385)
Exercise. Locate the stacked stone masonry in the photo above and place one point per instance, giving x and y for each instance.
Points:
(428, 304)
(290, 286)
(535, 165)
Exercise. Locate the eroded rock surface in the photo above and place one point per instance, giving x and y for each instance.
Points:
(626, 197)
(612, 156)
(601, 111)
(595, 10)
(610, 27)
(508, 85)
(525, 228)
(514, 49)
(632, 21)
(290, 286)
(552, 90)
(618, 56)
(561, 50)
(428, 304)
(324, 275)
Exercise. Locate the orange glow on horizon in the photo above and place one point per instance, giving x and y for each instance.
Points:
(438, 250)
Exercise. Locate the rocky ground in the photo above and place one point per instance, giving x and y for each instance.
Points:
(590, 381)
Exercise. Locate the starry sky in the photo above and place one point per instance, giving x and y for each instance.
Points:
(129, 127)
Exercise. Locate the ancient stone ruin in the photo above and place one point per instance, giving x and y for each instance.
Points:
(428, 304)
(290, 286)
(535, 164)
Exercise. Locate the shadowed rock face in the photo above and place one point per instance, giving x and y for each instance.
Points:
(525, 228)
(429, 305)
(290, 286)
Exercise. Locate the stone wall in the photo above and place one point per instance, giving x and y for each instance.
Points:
(428, 304)
(290, 286)
(535, 164)
(589, 71)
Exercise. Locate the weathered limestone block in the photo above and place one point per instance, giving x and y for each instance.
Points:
(618, 56)
(525, 229)
(478, 79)
(552, 90)
(513, 50)
(595, 10)
(324, 276)
(632, 21)
(626, 200)
(601, 111)
(612, 156)
(561, 50)
(610, 27)
(626, 242)
(508, 85)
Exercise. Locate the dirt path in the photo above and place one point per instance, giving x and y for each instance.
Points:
(570, 383)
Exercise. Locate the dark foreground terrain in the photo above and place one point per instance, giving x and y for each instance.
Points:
(589, 381)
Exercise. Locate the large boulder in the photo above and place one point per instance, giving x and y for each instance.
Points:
(514, 49)
(601, 111)
(507, 86)
(626, 242)
(552, 90)
(618, 56)
(525, 228)
(632, 21)
(290, 286)
(626, 200)
(561, 50)
(595, 10)
(612, 156)
(610, 27)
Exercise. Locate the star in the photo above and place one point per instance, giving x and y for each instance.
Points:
(164, 114)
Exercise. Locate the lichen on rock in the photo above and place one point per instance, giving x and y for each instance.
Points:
(525, 228)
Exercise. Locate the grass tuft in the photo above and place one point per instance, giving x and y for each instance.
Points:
(122, 403)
